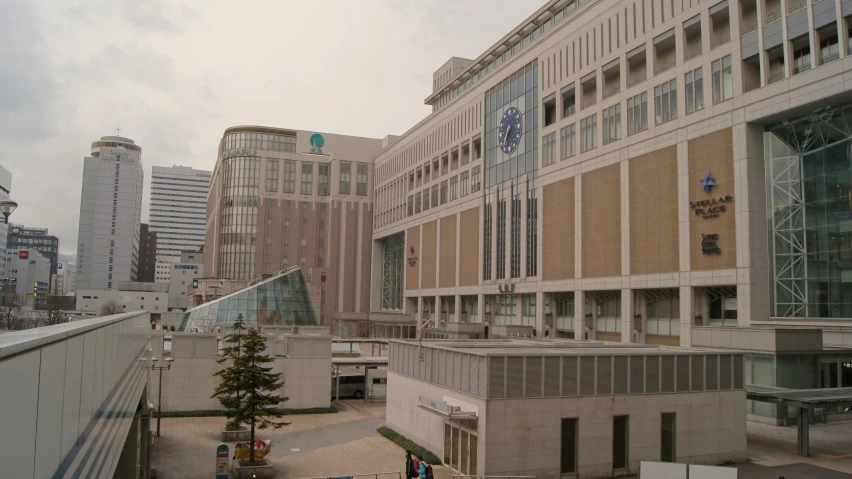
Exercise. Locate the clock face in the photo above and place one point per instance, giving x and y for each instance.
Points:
(511, 128)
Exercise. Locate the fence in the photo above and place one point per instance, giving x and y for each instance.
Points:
(374, 475)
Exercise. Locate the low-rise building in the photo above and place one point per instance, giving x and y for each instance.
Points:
(189, 268)
(131, 296)
(564, 408)
(28, 274)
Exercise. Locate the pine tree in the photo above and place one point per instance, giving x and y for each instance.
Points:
(248, 389)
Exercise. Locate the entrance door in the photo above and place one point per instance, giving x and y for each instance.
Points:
(460, 449)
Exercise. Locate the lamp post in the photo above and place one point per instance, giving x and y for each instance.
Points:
(160, 400)
(7, 207)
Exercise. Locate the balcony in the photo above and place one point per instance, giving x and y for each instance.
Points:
(775, 77)
(611, 92)
(668, 65)
(718, 42)
(587, 102)
(748, 28)
(796, 5)
(635, 81)
(771, 17)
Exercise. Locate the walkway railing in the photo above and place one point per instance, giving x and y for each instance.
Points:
(375, 475)
(493, 477)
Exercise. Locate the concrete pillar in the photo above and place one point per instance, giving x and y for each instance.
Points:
(522, 190)
(579, 314)
(687, 302)
(539, 314)
(480, 308)
(803, 431)
(457, 309)
(627, 316)
(519, 308)
(419, 317)
(436, 315)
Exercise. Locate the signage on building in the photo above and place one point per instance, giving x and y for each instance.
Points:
(23, 254)
(317, 142)
(233, 153)
(710, 208)
(59, 266)
(412, 260)
(709, 245)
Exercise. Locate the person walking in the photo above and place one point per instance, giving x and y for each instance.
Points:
(410, 472)
(421, 470)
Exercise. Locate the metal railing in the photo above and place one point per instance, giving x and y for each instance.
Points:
(692, 54)
(829, 58)
(752, 85)
(493, 477)
(664, 66)
(720, 41)
(611, 92)
(587, 102)
(771, 17)
(636, 81)
(748, 28)
(795, 6)
(775, 77)
(352, 476)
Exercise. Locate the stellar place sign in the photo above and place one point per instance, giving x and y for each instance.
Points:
(711, 208)
(233, 153)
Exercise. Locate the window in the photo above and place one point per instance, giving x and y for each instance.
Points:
(426, 199)
(410, 205)
(609, 316)
(694, 88)
(289, 176)
(271, 175)
(417, 202)
(361, 187)
(454, 188)
(345, 177)
(665, 102)
(637, 113)
(829, 49)
(568, 140)
(303, 242)
(286, 221)
(547, 143)
(667, 437)
(307, 178)
(569, 103)
(304, 223)
(475, 177)
(305, 205)
(434, 196)
(322, 184)
(286, 241)
(664, 317)
(443, 192)
(723, 308)
(319, 261)
(723, 86)
(465, 186)
(302, 261)
(619, 442)
(322, 224)
(569, 442)
(549, 111)
(320, 243)
(588, 133)
(611, 123)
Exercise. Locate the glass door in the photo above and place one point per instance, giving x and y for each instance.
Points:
(460, 449)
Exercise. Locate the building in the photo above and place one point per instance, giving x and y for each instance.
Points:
(189, 269)
(559, 408)
(29, 274)
(281, 198)
(110, 214)
(130, 296)
(147, 254)
(5, 191)
(622, 172)
(177, 213)
(279, 300)
(37, 239)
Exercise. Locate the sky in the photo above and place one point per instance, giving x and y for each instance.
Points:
(175, 74)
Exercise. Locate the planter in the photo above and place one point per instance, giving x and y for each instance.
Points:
(236, 436)
(252, 471)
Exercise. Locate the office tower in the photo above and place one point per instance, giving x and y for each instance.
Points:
(147, 254)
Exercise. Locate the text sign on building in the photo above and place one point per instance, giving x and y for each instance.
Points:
(710, 208)
(233, 153)
(709, 244)
(23, 254)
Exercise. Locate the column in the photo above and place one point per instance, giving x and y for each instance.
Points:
(480, 307)
(419, 316)
(539, 314)
(436, 316)
(627, 315)
(579, 315)
(687, 303)
(522, 190)
(578, 230)
(625, 219)
(519, 308)
(457, 314)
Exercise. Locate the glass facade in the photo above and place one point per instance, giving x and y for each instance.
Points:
(241, 182)
(259, 141)
(393, 250)
(282, 300)
(809, 170)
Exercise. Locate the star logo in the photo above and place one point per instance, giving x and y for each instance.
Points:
(707, 183)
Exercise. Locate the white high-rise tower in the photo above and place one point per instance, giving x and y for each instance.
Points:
(178, 212)
(110, 213)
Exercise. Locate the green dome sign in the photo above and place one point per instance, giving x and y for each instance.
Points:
(317, 141)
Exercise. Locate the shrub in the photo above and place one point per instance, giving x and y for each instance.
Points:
(408, 445)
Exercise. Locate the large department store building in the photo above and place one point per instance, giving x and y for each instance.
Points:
(630, 171)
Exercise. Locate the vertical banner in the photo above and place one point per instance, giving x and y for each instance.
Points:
(222, 461)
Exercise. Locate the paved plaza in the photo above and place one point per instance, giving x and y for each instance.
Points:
(317, 445)
(346, 443)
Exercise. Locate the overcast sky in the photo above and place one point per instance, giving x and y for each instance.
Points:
(176, 74)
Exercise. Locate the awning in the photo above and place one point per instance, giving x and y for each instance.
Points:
(445, 410)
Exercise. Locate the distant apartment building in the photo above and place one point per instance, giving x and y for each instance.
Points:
(29, 274)
(5, 192)
(21, 236)
(110, 214)
(185, 272)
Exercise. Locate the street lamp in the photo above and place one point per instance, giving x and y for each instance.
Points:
(7, 207)
(160, 400)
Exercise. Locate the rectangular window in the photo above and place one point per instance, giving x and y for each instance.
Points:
(569, 102)
(667, 437)
(568, 140)
(345, 177)
(304, 223)
(611, 123)
(320, 243)
(475, 178)
(829, 49)
(637, 113)
(322, 184)
(271, 175)
(694, 88)
(443, 192)
(454, 188)
(410, 205)
(619, 442)
(361, 187)
(665, 102)
(723, 82)
(289, 176)
(417, 202)
(465, 177)
(589, 133)
(547, 155)
(434, 196)
(307, 178)
(321, 224)
(569, 446)
(319, 261)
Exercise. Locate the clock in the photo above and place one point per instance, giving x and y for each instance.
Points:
(511, 128)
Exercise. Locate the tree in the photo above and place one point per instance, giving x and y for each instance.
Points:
(12, 318)
(247, 388)
(110, 307)
(53, 313)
